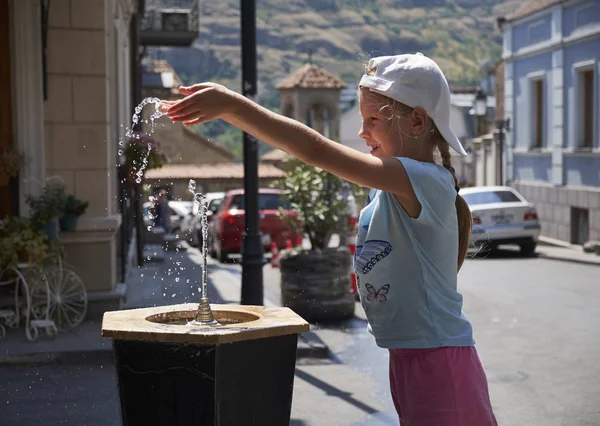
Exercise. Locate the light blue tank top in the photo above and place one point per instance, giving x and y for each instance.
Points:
(406, 267)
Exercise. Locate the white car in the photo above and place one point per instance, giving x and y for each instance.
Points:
(501, 215)
(192, 227)
(179, 211)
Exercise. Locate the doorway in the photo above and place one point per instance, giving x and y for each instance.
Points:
(8, 190)
(580, 225)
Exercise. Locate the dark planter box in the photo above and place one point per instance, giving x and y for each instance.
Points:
(317, 285)
(239, 374)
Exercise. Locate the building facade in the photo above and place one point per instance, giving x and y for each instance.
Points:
(67, 82)
(552, 55)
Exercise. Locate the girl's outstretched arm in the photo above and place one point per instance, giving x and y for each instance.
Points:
(208, 101)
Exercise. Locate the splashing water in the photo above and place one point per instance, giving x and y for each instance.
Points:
(200, 202)
(152, 120)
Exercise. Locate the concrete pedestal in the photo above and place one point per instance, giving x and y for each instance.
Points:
(240, 373)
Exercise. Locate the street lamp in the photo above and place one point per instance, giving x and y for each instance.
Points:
(502, 126)
(479, 109)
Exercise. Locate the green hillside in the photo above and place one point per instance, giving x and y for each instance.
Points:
(341, 35)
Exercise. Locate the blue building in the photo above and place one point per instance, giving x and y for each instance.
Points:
(552, 96)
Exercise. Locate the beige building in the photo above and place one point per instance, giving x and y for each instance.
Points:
(311, 95)
(180, 144)
(68, 102)
(69, 76)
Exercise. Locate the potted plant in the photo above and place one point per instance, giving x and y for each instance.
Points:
(141, 149)
(21, 241)
(46, 208)
(72, 208)
(316, 283)
(10, 164)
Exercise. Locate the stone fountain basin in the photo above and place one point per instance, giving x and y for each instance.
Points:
(170, 324)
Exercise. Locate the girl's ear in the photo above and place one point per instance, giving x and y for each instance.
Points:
(419, 118)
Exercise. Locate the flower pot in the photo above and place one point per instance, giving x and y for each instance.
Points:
(26, 257)
(51, 229)
(317, 284)
(68, 223)
(237, 373)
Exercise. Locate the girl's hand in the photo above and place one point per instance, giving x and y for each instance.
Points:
(204, 102)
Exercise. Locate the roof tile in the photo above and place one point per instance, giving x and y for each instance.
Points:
(311, 76)
(531, 7)
(211, 171)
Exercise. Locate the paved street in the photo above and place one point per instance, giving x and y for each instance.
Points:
(536, 323)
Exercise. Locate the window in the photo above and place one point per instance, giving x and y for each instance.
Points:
(537, 122)
(213, 206)
(587, 108)
(491, 197)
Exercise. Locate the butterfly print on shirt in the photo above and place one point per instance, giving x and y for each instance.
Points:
(370, 253)
(377, 295)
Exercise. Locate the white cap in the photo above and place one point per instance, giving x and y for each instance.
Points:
(415, 81)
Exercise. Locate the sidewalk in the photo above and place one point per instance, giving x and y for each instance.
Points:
(167, 278)
(71, 379)
(557, 250)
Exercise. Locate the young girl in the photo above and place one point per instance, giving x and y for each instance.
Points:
(413, 232)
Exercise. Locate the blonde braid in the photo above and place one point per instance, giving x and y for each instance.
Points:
(444, 150)
(463, 212)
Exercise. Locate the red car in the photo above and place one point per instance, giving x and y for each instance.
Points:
(227, 225)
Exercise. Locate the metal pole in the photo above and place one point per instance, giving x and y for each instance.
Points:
(253, 258)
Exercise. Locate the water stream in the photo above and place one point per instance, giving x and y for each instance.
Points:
(202, 204)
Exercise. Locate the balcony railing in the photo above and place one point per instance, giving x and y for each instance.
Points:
(170, 23)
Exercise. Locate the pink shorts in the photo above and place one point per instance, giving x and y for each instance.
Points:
(440, 387)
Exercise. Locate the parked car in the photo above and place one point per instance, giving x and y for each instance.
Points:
(227, 226)
(179, 211)
(502, 215)
(191, 226)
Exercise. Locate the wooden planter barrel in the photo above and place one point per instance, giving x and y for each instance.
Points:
(316, 284)
(240, 373)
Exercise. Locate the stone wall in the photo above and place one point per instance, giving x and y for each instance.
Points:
(89, 77)
(555, 207)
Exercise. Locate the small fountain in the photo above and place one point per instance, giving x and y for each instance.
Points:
(204, 315)
(202, 364)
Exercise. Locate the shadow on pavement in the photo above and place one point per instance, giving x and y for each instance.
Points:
(333, 391)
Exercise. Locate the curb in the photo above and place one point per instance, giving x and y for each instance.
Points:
(566, 259)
